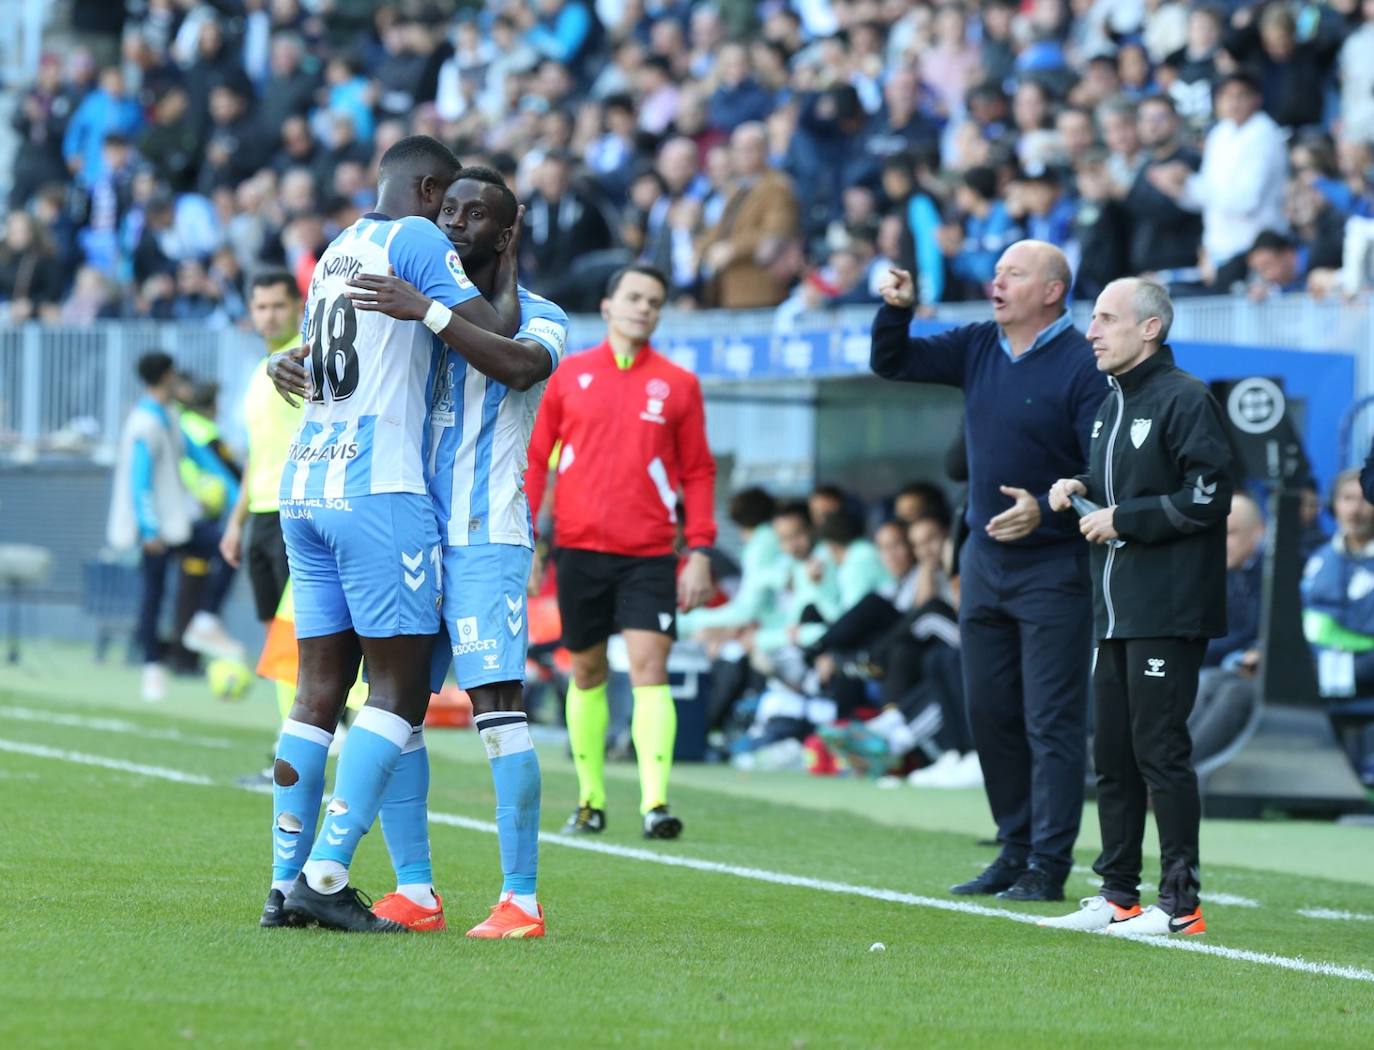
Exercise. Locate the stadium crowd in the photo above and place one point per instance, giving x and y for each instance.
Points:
(761, 154)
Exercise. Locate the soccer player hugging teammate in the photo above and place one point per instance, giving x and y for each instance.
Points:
(360, 530)
(630, 427)
(1159, 473)
(485, 396)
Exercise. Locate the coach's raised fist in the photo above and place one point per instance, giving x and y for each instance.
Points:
(897, 289)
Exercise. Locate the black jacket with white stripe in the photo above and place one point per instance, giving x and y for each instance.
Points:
(1161, 456)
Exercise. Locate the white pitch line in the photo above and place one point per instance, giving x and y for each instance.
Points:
(81, 758)
(1339, 916)
(109, 725)
(1351, 973)
(1232, 899)
(777, 878)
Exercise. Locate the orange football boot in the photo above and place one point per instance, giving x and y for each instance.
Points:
(508, 919)
(1190, 924)
(416, 917)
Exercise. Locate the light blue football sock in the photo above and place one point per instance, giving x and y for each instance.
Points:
(369, 755)
(515, 773)
(297, 790)
(405, 814)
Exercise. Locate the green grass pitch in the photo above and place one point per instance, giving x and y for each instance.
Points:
(131, 904)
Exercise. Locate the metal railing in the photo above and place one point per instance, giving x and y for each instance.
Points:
(65, 389)
(69, 389)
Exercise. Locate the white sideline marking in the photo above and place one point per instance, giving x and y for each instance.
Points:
(1229, 898)
(1339, 916)
(110, 725)
(80, 758)
(777, 878)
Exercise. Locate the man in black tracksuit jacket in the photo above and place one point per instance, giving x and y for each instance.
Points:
(1160, 470)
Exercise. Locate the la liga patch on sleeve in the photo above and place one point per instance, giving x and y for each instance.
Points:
(455, 268)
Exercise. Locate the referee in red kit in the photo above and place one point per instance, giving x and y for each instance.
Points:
(628, 428)
(1159, 479)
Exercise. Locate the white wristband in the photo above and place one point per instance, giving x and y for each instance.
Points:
(437, 317)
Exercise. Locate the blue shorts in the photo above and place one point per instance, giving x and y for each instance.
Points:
(484, 612)
(369, 564)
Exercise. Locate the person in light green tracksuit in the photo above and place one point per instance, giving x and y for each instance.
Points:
(755, 602)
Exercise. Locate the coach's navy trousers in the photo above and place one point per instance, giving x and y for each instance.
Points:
(1025, 625)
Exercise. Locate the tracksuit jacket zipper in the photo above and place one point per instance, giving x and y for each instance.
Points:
(1111, 502)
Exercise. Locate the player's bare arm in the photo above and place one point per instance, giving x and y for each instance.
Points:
(231, 543)
(518, 364)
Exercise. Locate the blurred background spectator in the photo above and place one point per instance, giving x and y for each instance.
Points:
(915, 133)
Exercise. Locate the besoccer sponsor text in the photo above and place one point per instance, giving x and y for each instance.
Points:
(470, 639)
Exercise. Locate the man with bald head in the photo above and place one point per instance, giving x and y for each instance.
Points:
(1030, 393)
(760, 219)
(1159, 473)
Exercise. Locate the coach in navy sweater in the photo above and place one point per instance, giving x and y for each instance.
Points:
(1031, 390)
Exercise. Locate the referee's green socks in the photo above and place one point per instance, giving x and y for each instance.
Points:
(588, 715)
(653, 730)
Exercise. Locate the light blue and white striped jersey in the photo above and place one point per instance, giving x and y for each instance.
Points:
(479, 435)
(363, 428)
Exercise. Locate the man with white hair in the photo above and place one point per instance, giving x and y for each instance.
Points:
(1160, 476)
(1030, 391)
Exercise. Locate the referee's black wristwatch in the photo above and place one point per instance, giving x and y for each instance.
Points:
(708, 551)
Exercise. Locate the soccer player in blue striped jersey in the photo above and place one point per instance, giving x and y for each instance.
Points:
(480, 425)
(361, 535)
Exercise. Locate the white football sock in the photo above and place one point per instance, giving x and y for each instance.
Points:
(283, 886)
(325, 876)
(421, 893)
(527, 903)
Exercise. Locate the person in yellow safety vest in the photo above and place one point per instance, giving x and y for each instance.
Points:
(275, 309)
(211, 475)
(208, 469)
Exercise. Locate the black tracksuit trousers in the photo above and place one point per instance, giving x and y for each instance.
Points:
(1143, 692)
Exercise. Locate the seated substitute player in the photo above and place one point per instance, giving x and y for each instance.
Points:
(1160, 474)
(631, 428)
(361, 536)
(483, 410)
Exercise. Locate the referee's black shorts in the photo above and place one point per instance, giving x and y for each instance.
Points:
(266, 559)
(600, 594)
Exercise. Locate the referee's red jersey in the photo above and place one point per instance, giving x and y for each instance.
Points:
(631, 439)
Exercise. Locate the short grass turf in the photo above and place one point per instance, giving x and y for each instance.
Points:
(131, 907)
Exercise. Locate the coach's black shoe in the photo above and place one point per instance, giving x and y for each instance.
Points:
(274, 914)
(348, 910)
(1035, 884)
(660, 824)
(996, 877)
(586, 821)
